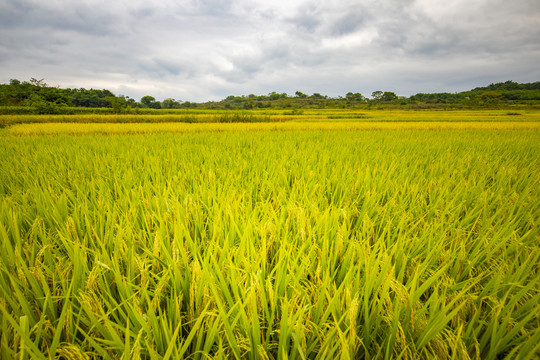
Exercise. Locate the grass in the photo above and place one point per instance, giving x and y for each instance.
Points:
(270, 244)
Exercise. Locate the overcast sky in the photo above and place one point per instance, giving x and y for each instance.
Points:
(197, 50)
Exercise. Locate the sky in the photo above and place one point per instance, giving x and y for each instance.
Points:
(200, 50)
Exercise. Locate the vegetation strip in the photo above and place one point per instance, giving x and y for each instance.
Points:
(36, 97)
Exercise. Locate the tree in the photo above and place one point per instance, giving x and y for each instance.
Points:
(377, 95)
(43, 106)
(39, 83)
(356, 97)
(150, 102)
(131, 102)
(249, 104)
(274, 96)
(489, 97)
(170, 104)
(318, 96)
(16, 93)
(92, 98)
(388, 96)
(118, 104)
(300, 95)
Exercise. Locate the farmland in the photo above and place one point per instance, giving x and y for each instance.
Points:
(292, 115)
(325, 234)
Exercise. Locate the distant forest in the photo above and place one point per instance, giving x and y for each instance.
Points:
(36, 97)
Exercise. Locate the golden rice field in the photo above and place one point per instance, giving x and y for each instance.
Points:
(273, 115)
(334, 239)
(144, 128)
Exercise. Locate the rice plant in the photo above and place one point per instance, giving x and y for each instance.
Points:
(271, 245)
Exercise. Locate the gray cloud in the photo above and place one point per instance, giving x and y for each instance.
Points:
(350, 22)
(207, 49)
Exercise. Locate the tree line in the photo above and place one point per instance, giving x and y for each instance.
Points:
(35, 96)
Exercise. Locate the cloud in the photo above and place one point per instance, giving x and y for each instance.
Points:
(207, 49)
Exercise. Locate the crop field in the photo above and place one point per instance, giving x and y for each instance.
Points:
(335, 238)
(294, 115)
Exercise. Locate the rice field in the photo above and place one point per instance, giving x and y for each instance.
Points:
(153, 128)
(275, 116)
(346, 239)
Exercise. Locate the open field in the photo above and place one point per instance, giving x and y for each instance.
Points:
(273, 115)
(152, 128)
(173, 240)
